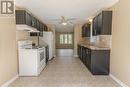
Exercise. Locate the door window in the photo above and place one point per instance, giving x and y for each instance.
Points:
(66, 39)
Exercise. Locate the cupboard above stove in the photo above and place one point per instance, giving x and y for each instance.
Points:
(28, 21)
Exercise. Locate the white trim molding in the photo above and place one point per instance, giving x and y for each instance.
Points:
(10, 81)
(122, 84)
(54, 55)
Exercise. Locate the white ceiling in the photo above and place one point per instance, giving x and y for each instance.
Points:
(62, 28)
(54, 9)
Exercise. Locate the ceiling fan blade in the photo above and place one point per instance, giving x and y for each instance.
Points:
(70, 22)
(62, 17)
(56, 19)
(71, 19)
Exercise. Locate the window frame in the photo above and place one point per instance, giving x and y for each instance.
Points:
(65, 39)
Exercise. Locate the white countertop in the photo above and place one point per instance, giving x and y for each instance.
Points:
(94, 47)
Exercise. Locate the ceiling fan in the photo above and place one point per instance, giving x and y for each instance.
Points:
(64, 20)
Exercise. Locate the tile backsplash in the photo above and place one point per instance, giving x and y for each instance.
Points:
(105, 40)
(24, 35)
(101, 40)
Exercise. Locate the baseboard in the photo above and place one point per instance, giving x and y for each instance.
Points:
(10, 81)
(75, 55)
(118, 81)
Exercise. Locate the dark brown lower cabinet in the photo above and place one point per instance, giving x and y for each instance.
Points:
(100, 62)
(97, 61)
(88, 58)
(78, 50)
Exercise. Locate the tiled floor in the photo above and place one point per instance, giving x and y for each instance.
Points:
(65, 72)
(64, 52)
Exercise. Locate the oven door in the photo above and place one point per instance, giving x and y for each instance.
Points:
(42, 58)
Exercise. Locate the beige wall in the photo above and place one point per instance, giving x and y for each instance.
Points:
(77, 37)
(120, 55)
(120, 52)
(21, 35)
(24, 35)
(8, 54)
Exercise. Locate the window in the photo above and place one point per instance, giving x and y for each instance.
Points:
(70, 38)
(61, 39)
(66, 39)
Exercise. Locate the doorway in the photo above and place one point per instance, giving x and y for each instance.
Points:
(64, 44)
(64, 41)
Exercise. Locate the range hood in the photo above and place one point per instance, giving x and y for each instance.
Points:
(23, 27)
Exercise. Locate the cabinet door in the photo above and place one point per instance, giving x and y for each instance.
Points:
(41, 34)
(28, 19)
(85, 61)
(20, 16)
(81, 53)
(83, 31)
(45, 28)
(107, 23)
(78, 51)
(84, 55)
(34, 22)
(41, 26)
(89, 59)
(99, 29)
(100, 62)
(95, 26)
(88, 30)
(41, 29)
(102, 23)
(38, 25)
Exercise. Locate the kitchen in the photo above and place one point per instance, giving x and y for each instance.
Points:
(100, 49)
(35, 43)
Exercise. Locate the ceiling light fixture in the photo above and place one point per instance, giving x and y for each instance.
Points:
(90, 20)
(64, 23)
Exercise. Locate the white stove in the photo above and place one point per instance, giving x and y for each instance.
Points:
(32, 60)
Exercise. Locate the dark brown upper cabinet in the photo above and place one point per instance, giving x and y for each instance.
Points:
(34, 22)
(102, 23)
(41, 26)
(95, 25)
(86, 30)
(83, 31)
(38, 25)
(23, 17)
(45, 28)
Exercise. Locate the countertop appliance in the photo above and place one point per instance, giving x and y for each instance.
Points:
(32, 60)
(49, 40)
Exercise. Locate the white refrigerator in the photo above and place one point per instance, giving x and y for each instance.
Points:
(48, 38)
